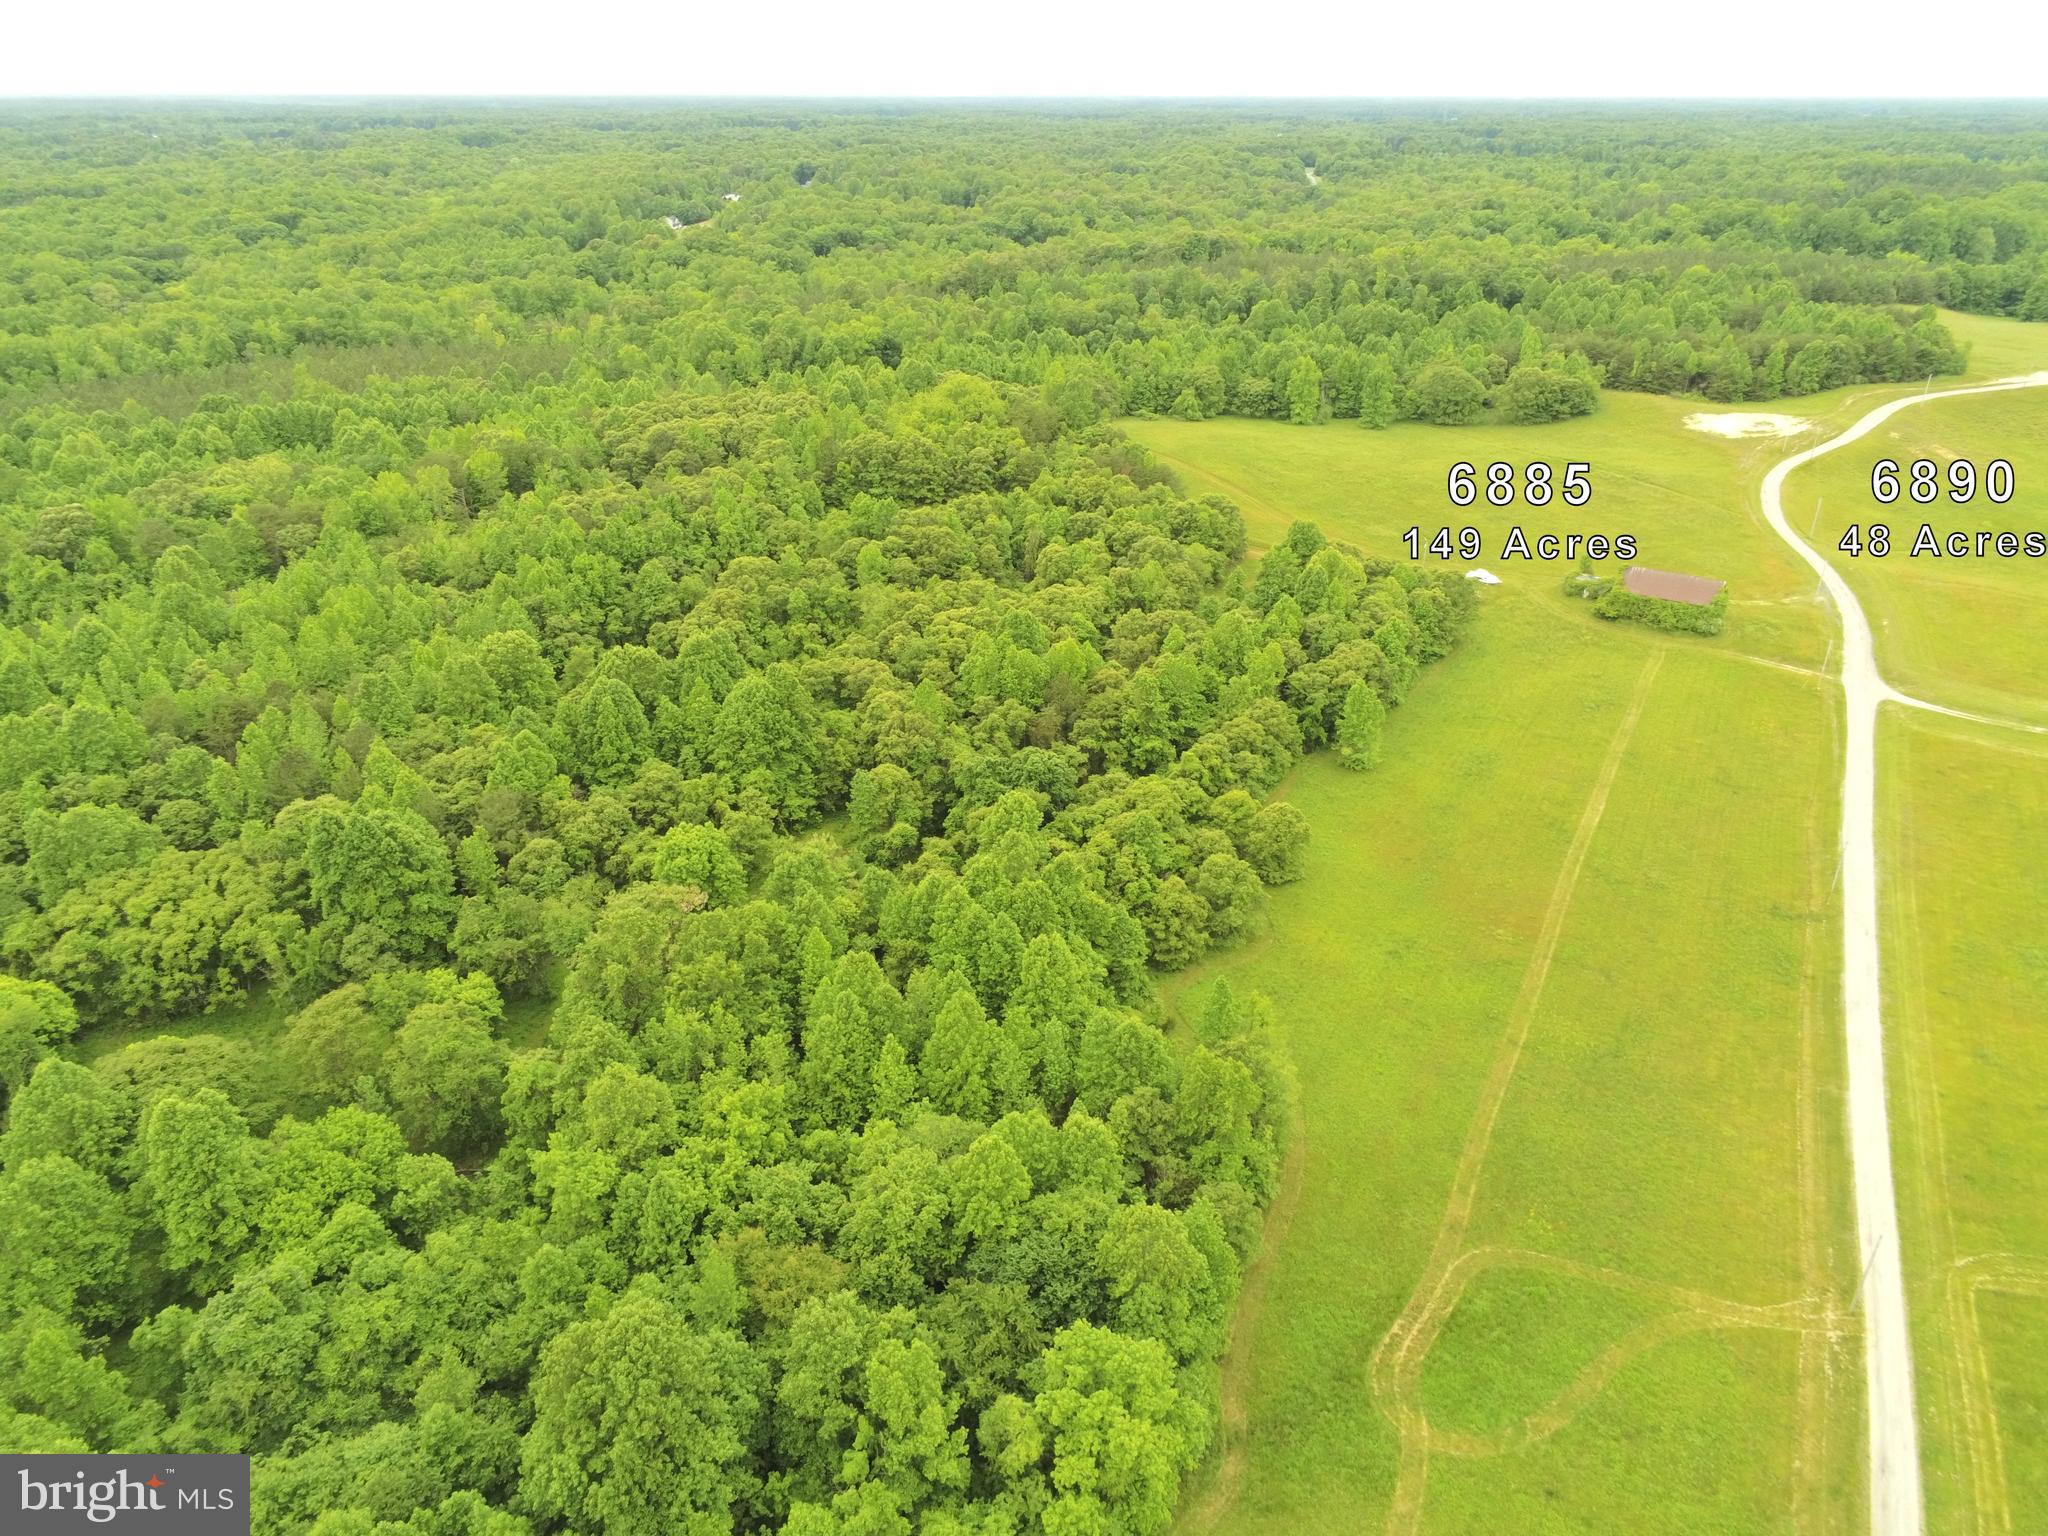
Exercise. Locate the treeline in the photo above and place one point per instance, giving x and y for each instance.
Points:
(829, 767)
(1134, 261)
(588, 809)
(645, 610)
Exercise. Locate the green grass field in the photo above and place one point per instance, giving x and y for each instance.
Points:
(1567, 1063)
(1964, 813)
(1679, 492)
(1963, 631)
(1602, 1279)
(1998, 347)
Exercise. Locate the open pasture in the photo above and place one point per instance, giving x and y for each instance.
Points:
(1964, 811)
(1568, 1252)
(1965, 630)
(1678, 492)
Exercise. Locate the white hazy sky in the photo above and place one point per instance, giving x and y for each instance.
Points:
(1488, 48)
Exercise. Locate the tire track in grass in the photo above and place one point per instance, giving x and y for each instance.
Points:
(1244, 493)
(1234, 1387)
(1948, 1379)
(1226, 1483)
(1690, 1312)
(1897, 1503)
(1816, 1346)
(1397, 1360)
(1961, 1376)
(2014, 1275)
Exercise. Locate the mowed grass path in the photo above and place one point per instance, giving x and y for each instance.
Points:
(1964, 818)
(1557, 988)
(1964, 631)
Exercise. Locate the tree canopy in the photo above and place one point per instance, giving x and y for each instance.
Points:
(589, 809)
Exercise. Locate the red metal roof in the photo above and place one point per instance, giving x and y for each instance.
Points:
(1671, 586)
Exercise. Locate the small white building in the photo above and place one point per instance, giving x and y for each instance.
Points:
(732, 197)
(1483, 576)
(672, 221)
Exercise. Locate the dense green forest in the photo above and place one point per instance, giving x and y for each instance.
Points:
(854, 1179)
(604, 740)
(1262, 264)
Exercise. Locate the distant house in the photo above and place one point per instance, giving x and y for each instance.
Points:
(1483, 576)
(1700, 591)
(732, 197)
(672, 221)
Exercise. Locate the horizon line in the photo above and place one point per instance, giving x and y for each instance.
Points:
(10, 98)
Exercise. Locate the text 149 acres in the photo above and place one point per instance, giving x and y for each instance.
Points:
(1467, 544)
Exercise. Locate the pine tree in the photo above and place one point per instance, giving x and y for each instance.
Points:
(1359, 726)
(1304, 392)
(1376, 394)
(1771, 383)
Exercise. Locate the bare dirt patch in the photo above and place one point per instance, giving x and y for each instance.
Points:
(1747, 423)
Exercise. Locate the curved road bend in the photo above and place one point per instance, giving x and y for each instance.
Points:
(1895, 1501)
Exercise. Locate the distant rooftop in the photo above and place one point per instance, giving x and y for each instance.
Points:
(1671, 586)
